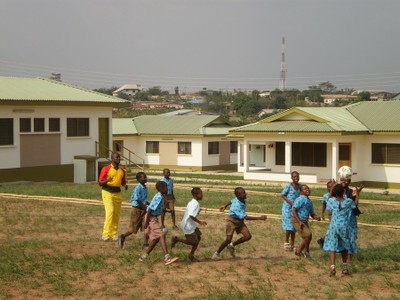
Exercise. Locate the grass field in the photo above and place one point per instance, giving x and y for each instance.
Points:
(54, 250)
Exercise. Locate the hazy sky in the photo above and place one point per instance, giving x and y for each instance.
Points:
(220, 44)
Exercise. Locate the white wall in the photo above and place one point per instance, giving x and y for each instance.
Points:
(198, 158)
(9, 156)
(360, 157)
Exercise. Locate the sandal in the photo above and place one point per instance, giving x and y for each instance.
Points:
(345, 270)
(287, 247)
(332, 271)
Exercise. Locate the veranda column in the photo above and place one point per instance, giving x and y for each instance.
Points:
(245, 156)
(288, 157)
(335, 159)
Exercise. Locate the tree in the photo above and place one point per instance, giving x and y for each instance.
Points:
(364, 96)
(327, 86)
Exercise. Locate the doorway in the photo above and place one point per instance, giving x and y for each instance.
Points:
(344, 155)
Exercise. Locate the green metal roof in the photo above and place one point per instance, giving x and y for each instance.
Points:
(15, 89)
(172, 125)
(123, 126)
(360, 117)
(378, 115)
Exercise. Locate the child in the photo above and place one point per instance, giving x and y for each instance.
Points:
(235, 222)
(354, 195)
(155, 231)
(338, 237)
(289, 194)
(139, 205)
(169, 198)
(189, 226)
(302, 208)
(325, 198)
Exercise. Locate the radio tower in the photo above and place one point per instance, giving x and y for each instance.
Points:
(282, 78)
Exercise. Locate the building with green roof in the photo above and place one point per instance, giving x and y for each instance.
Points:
(196, 142)
(316, 141)
(50, 130)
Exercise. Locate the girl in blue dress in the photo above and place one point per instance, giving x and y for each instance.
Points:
(289, 194)
(340, 235)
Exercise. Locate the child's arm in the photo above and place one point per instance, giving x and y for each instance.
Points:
(263, 217)
(357, 193)
(147, 219)
(223, 207)
(287, 200)
(315, 217)
(204, 223)
(323, 211)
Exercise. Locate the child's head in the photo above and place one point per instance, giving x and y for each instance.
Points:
(338, 190)
(240, 193)
(329, 185)
(141, 177)
(197, 193)
(305, 190)
(162, 187)
(166, 173)
(295, 176)
(345, 182)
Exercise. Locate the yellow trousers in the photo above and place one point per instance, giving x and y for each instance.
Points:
(112, 205)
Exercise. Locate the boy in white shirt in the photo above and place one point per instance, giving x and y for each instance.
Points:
(189, 226)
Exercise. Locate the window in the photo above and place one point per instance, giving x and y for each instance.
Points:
(309, 154)
(38, 124)
(184, 148)
(280, 153)
(385, 154)
(77, 127)
(118, 146)
(6, 132)
(233, 147)
(152, 147)
(213, 147)
(25, 125)
(54, 124)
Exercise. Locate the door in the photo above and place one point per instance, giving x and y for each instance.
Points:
(168, 153)
(344, 155)
(104, 142)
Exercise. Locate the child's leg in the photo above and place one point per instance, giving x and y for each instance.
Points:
(345, 256)
(307, 243)
(332, 256)
(145, 238)
(292, 237)
(332, 270)
(225, 243)
(172, 207)
(152, 245)
(163, 243)
(162, 219)
(246, 236)
(287, 235)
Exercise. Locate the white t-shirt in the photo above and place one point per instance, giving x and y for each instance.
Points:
(192, 209)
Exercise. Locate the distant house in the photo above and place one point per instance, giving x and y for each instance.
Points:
(316, 141)
(128, 89)
(179, 142)
(187, 112)
(49, 130)
(332, 98)
(153, 105)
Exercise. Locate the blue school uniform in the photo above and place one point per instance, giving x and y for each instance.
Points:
(156, 205)
(353, 227)
(304, 207)
(139, 194)
(170, 184)
(238, 209)
(287, 214)
(340, 235)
